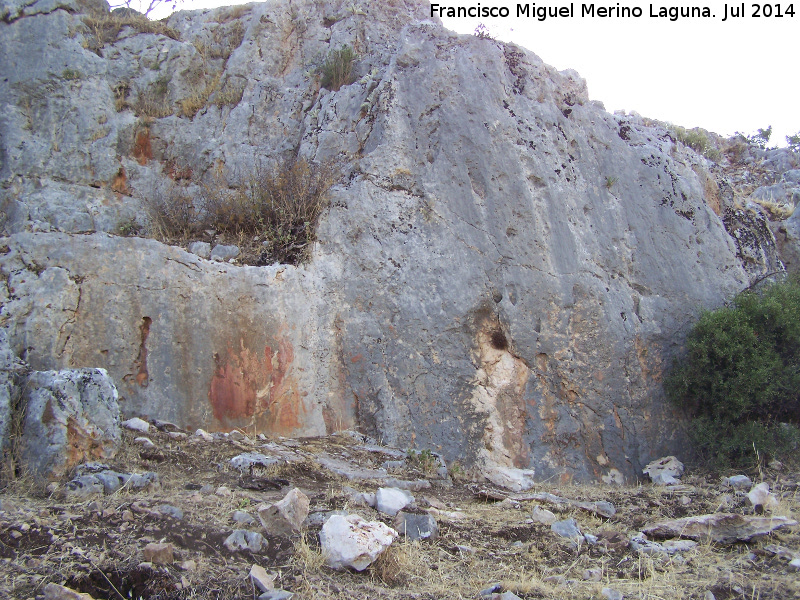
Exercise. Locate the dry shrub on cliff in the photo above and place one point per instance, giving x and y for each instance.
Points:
(272, 214)
(171, 210)
(280, 205)
(105, 29)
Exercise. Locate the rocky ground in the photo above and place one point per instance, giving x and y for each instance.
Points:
(490, 541)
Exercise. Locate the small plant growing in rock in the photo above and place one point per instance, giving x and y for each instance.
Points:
(337, 69)
(424, 460)
(611, 181)
(71, 75)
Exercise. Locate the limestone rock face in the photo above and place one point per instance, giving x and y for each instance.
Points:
(502, 277)
(71, 416)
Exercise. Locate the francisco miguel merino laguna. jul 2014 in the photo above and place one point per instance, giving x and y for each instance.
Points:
(542, 13)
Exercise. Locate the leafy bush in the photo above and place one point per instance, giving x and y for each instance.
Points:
(740, 378)
(794, 142)
(337, 69)
(697, 140)
(759, 139)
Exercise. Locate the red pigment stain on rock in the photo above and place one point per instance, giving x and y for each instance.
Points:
(250, 388)
(356, 358)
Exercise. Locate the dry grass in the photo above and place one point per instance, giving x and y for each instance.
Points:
(153, 101)
(202, 89)
(105, 29)
(220, 41)
(511, 549)
(230, 94)
(776, 211)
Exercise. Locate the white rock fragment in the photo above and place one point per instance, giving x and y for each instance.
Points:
(284, 518)
(544, 516)
(241, 540)
(136, 424)
(511, 478)
(353, 542)
(204, 435)
(143, 441)
(390, 501)
(664, 471)
(249, 459)
(737, 482)
(761, 496)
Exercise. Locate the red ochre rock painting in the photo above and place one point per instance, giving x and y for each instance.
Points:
(249, 389)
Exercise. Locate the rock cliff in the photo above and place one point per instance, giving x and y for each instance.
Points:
(502, 275)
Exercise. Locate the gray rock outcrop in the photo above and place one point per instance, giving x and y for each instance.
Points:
(502, 276)
(71, 416)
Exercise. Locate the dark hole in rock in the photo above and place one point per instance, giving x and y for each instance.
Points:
(499, 341)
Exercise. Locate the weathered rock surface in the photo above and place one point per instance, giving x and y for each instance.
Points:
(502, 277)
(71, 416)
(285, 518)
(352, 542)
(416, 526)
(724, 528)
(241, 539)
(11, 371)
(664, 471)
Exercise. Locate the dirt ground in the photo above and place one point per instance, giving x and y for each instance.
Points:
(95, 545)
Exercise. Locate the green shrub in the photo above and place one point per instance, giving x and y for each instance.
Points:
(740, 378)
(697, 140)
(337, 70)
(793, 142)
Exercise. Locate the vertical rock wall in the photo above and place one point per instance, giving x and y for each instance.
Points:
(502, 276)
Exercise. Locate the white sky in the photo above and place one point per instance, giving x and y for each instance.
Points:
(737, 75)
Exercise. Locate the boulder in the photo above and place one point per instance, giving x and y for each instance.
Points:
(723, 528)
(241, 540)
(761, 498)
(352, 542)
(72, 416)
(159, 553)
(391, 500)
(285, 518)
(416, 526)
(664, 471)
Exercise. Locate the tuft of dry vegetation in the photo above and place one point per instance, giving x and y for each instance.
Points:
(272, 213)
(153, 101)
(231, 92)
(105, 29)
(220, 41)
